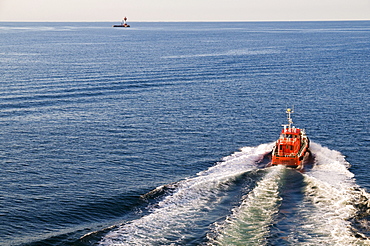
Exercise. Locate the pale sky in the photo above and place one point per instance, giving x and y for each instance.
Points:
(183, 10)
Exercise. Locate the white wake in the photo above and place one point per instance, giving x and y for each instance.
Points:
(322, 217)
(171, 220)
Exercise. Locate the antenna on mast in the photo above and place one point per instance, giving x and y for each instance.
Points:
(290, 120)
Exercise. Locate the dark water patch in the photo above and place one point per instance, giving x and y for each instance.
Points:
(82, 219)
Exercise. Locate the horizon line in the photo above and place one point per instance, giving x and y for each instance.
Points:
(306, 20)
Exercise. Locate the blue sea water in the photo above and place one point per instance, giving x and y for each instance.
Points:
(152, 135)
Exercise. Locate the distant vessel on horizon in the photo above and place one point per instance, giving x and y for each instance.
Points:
(123, 23)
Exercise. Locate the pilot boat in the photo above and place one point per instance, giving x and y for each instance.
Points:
(292, 147)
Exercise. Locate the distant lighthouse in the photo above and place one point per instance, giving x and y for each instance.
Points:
(123, 23)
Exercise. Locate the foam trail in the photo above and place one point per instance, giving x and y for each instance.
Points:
(249, 223)
(329, 203)
(173, 220)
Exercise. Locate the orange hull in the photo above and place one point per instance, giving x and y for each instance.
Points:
(287, 161)
(291, 161)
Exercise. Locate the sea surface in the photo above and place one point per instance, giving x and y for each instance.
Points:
(157, 134)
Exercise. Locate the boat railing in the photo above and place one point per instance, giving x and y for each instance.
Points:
(274, 150)
(304, 145)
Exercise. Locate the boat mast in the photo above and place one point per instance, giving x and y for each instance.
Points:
(290, 120)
